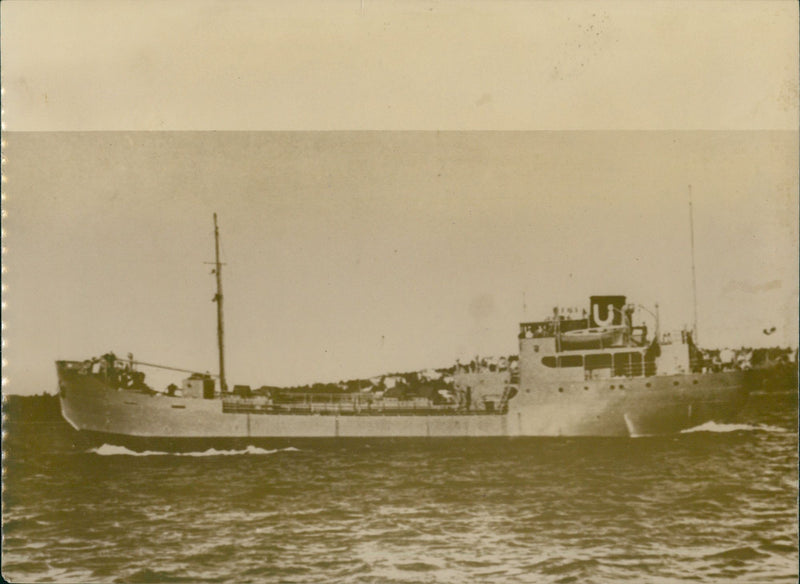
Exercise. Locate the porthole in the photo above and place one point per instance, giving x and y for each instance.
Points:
(675, 383)
(560, 390)
(586, 387)
(612, 387)
(647, 384)
(694, 381)
(527, 391)
(622, 387)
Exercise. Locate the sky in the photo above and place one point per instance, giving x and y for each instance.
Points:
(416, 65)
(397, 186)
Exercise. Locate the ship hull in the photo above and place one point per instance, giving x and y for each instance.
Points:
(631, 407)
(654, 405)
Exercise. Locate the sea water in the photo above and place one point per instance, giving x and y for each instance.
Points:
(715, 504)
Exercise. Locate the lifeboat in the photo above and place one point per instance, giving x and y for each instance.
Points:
(593, 338)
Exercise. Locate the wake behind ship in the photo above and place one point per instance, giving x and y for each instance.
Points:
(576, 374)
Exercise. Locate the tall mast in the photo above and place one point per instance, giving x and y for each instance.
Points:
(694, 278)
(218, 299)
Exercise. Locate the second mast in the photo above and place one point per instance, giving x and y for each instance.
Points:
(218, 299)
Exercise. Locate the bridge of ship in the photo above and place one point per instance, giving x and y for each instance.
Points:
(631, 354)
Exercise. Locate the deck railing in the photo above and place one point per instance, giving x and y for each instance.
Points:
(349, 407)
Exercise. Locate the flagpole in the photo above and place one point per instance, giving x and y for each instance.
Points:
(694, 277)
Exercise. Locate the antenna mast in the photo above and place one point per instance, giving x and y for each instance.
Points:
(218, 299)
(694, 278)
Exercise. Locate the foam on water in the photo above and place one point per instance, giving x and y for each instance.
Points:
(111, 450)
(716, 427)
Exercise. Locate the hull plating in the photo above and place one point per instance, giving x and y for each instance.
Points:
(642, 406)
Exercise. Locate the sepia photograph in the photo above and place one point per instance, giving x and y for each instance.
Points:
(400, 292)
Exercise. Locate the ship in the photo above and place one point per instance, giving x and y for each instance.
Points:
(594, 373)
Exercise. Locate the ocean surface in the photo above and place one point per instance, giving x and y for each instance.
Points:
(716, 504)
